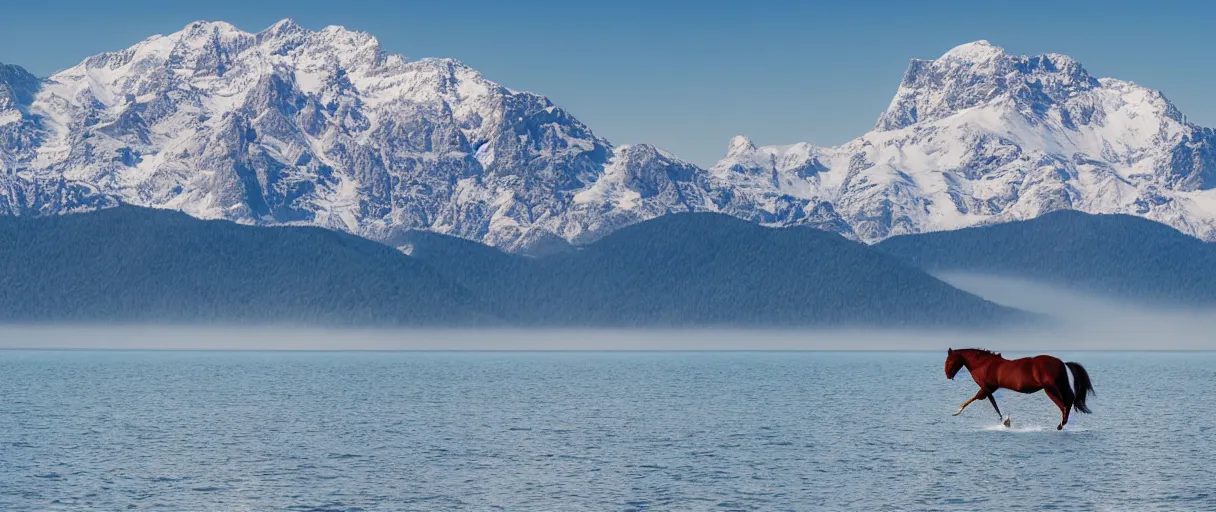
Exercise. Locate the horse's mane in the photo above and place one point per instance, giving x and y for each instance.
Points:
(980, 351)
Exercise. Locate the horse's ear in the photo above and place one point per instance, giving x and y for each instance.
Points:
(949, 351)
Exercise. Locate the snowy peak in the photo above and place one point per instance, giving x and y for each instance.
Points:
(17, 86)
(800, 160)
(289, 125)
(974, 53)
(282, 28)
(979, 136)
(739, 145)
(978, 74)
(222, 53)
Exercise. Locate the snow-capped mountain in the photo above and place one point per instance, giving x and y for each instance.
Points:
(291, 126)
(979, 136)
(294, 126)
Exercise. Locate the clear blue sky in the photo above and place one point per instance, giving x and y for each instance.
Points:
(686, 76)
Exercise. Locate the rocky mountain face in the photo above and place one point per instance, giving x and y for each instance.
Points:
(980, 137)
(291, 126)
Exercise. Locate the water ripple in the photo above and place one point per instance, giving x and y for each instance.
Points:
(587, 432)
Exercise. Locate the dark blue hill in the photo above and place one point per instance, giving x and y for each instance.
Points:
(1119, 255)
(130, 264)
(707, 270)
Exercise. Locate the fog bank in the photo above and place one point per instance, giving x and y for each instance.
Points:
(1087, 323)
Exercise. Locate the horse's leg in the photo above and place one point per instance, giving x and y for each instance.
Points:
(999, 416)
(979, 395)
(1054, 394)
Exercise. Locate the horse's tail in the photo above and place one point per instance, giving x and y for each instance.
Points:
(1081, 386)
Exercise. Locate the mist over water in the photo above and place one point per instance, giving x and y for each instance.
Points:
(1090, 322)
(1082, 322)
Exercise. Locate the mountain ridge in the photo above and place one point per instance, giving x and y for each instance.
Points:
(293, 126)
(1117, 255)
(138, 265)
(709, 269)
(978, 136)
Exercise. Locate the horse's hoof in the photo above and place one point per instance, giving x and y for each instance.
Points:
(956, 413)
(1059, 427)
(1007, 420)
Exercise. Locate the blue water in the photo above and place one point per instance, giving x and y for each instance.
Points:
(589, 431)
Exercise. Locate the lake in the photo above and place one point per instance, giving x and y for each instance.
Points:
(590, 431)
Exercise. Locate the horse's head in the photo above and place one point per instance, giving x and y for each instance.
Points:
(954, 363)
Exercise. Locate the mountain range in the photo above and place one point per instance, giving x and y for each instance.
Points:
(289, 126)
(707, 269)
(140, 265)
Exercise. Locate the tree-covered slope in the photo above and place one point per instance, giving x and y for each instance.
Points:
(1122, 255)
(708, 269)
(131, 264)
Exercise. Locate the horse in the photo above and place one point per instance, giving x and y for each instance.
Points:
(1025, 375)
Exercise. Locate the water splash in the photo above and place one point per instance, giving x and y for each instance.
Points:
(1021, 429)
(1017, 428)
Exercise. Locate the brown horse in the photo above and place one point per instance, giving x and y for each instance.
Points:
(1025, 375)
